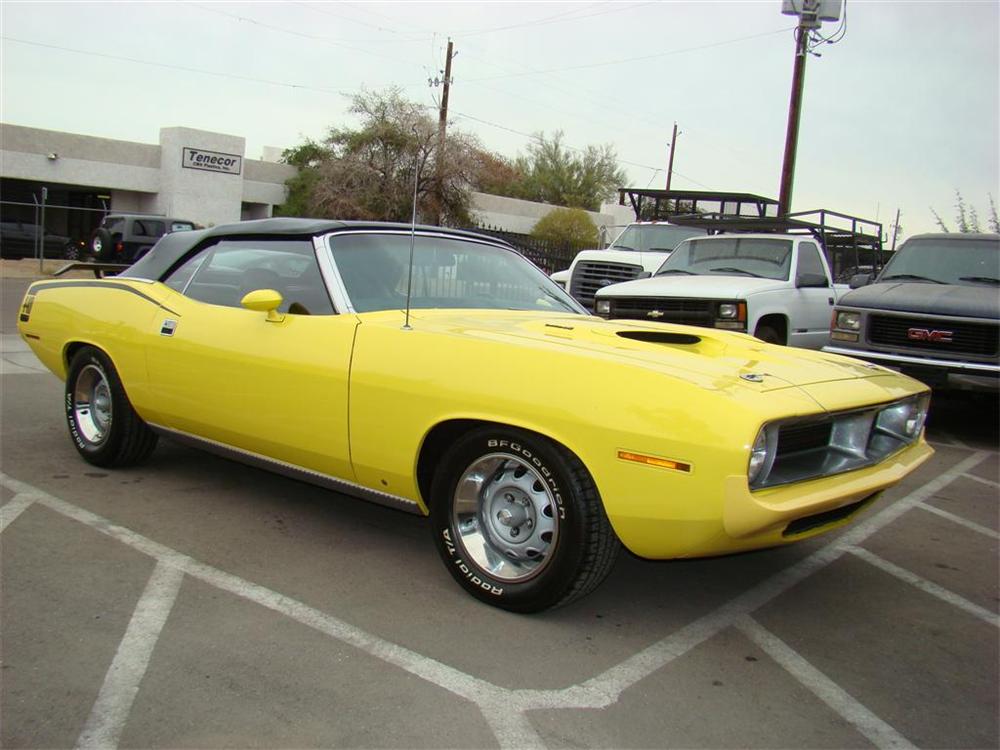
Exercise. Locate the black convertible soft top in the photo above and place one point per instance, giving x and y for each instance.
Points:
(172, 247)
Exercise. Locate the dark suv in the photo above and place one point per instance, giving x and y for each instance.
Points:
(933, 312)
(124, 238)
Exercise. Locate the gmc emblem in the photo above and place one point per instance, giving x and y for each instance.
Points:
(926, 334)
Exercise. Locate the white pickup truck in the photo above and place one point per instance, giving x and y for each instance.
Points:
(639, 250)
(777, 287)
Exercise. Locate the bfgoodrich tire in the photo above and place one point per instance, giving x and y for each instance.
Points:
(102, 423)
(518, 521)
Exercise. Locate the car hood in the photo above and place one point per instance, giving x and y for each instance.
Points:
(650, 261)
(967, 301)
(679, 285)
(714, 360)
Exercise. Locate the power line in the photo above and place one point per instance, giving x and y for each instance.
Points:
(184, 68)
(557, 18)
(537, 138)
(639, 58)
(304, 87)
(302, 34)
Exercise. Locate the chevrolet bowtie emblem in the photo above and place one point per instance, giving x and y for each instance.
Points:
(654, 314)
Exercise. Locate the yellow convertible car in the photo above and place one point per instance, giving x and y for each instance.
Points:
(440, 372)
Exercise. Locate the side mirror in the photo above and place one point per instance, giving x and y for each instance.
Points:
(266, 301)
(644, 274)
(811, 280)
(860, 279)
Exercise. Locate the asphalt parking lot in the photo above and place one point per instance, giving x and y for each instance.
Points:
(197, 603)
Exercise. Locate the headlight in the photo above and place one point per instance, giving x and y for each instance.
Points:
(759, 456)
(904, 420)
(602, 307)
(727, 310)
(848, 321)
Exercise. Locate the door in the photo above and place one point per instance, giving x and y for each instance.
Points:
(810, 307)
(274, 386)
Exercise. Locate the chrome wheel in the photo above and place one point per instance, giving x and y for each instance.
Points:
(505, 516)
(92, 405)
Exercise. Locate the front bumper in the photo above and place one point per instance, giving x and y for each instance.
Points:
(935, 372)
(767, 514)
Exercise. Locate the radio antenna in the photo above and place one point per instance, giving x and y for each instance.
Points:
(413, 233)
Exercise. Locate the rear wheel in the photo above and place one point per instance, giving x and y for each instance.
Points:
(104, 426)
(518, 521)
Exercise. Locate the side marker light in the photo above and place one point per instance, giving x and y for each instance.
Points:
(661, 463)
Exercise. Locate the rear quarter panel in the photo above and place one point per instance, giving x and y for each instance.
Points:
(113, 316)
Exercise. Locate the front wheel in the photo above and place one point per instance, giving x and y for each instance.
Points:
(769, 335)
(518, 521)
(105, 428)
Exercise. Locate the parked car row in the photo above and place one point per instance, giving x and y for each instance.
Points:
(933, 312)
(120, 238)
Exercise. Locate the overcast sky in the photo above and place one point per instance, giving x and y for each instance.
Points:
(899, 114)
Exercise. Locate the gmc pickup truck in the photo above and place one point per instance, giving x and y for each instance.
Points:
(777, 287)
(933, 313)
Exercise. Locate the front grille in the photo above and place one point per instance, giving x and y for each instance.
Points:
(824, 445)
(800, 438)
(692, 312)
(591, 275)
(978, 339)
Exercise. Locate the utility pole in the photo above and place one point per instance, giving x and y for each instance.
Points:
(673, 147)
(794, 114)
(442, 128)
(895, 230)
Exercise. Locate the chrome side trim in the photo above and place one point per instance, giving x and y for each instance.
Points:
(290, 470)
(331, 275)
(924, 361)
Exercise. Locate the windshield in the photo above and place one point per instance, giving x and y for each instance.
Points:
(653, 237)
(945, 260)
(448, 273)
(731, 256)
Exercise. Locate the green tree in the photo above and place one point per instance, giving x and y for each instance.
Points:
(554, 174)
(368, 172)
(571, 226)
(967, 218)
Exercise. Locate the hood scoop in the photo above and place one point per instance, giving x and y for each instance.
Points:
(661, 337)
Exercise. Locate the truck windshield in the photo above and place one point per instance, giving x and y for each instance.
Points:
(946, 260)
(653, 237)
(731, 256)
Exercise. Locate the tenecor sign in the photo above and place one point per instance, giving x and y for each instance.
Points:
(211, 161)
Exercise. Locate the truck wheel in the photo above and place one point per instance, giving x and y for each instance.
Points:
(769, 335)
(105, 428)
(518, 521)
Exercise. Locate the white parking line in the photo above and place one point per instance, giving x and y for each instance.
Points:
(878, 732)
(950, 440)
(927, 586)
(972, 525)
(609, 685)
(11, 510)
(983, 480)
(505, 710)
(114, 703)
